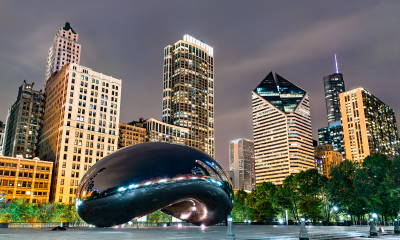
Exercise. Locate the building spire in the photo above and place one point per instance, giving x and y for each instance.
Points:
(337, 69)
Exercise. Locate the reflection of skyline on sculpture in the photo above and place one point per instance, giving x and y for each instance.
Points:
(179, 180)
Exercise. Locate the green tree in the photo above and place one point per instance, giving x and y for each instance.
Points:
(288, 196)
(311, 207)
(264, 211)
(241, 210)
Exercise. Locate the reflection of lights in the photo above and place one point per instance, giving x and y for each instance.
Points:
(77, 203)
(179, 225)
(185, 216)
(121, 189)
(204, 214)
(202, 226)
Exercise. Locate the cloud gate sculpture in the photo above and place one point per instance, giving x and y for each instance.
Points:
(132, 182)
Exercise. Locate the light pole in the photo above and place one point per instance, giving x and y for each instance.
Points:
(230, 235)
(303, 231)
(336, 209)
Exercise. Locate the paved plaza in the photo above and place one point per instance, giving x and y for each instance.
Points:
(187, 233)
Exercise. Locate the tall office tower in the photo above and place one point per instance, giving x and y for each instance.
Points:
(24, 122)
(333, 135)
(369, 125)
(283, 143)
(326, 158)
(65, 48)
(2, 129)
(80, 125)
(188, 95)
(333, 86)
(241, 162)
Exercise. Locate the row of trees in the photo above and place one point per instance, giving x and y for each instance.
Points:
(19, 210)
(355, 190)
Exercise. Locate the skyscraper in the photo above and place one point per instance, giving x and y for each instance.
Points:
(23, 123)
(333, 134)
(241, 162)
(369, 125)
(283, 143)
(65, 48)
(80, 125)
(2, 129)
(188, 95)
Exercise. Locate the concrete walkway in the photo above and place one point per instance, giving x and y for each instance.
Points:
(187, 233)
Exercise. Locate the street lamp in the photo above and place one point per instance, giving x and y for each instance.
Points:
(374, 215)
(336, 209)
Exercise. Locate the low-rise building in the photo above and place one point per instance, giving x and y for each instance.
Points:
(131, 133)
(25, 178)
(326, 158)
(157, 131)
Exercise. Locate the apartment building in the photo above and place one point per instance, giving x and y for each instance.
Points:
(188, 91)
(369, 125)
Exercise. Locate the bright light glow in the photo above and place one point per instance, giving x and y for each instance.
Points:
(130, 223)
(280, 221)
(349, 216)
(374, 215)
(165, 225)
(121, 189)
(179, 225)
(337, 69)
(185, 216)
(303, 219)
(335, 208)
(162, 180)
(202, 226)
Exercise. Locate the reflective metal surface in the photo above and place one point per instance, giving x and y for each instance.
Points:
(137, 180)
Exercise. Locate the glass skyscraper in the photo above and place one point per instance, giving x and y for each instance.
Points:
(241, 163)
(188, 93)
(283, 143)
(333, 85)
(333, 135)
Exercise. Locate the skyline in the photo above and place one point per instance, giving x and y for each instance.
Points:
(304, 57)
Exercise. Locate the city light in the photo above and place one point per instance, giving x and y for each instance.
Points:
(335, 208)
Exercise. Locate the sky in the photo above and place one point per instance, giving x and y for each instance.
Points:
(125, 39)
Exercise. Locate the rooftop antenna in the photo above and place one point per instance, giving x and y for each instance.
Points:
(337, 69)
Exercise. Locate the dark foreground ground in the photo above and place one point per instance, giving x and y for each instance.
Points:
(188, 233)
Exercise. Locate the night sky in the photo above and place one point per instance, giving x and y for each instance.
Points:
(296, 39)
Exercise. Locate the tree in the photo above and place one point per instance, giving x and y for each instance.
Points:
(288, 196)
(264, 211)
(241, 210)
(311, 207)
